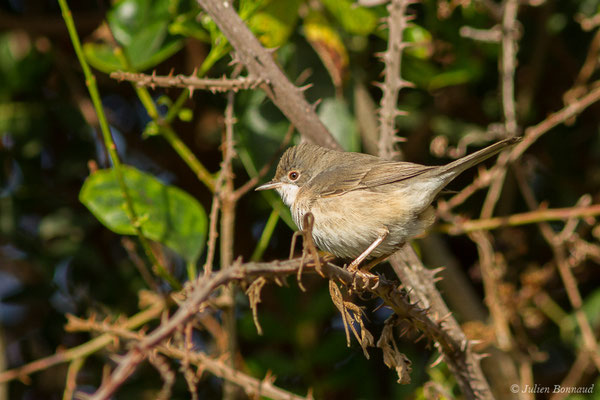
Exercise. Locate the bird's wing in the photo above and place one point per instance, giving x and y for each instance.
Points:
(341, 179)
(391, 172)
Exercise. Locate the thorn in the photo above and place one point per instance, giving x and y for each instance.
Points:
(405, 83)
(191, 90)
(420, 338)
(437, 361)
(171, 71)
(445, 317)
(305, 87)
(314, 105)
(378, 84)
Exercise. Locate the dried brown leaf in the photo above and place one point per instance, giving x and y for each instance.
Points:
(253, 293)
(393, 358)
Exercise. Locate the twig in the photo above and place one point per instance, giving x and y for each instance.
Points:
(507, 79)
(532, 134)
(393, 83)
(186, 354)
(531, 217)
(259, 62)
(255, 388)
(191, 82)
(564, 269)
(492, 35)
(228, 204)
(509, 64)
(491, 282)
(156, 308)
(71, 380)
(587, 70)
(212, 229)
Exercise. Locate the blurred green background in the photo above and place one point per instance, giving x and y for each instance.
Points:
(57, 258)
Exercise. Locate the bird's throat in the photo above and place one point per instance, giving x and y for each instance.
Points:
(288, 193)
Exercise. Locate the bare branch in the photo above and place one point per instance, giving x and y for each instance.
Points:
(507, 78)
(557, 214)
(531, 135)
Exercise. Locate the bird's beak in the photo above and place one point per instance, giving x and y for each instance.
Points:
(269, 185)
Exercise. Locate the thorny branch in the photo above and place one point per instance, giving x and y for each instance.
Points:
(252, 386)
(434, 329)
(397, 21)
(191, 82)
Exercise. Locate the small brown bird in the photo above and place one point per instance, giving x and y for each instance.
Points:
(364, 206)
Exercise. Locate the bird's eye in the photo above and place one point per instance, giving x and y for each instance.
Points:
(294, 175)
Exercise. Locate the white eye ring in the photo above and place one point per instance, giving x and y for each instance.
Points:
(294, 175)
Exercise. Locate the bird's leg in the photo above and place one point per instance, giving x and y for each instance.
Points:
(354, 264)
(373, 263)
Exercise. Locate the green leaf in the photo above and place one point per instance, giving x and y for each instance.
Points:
(141, 27)
(152, 45)
(129, 17)
(354, 20)
(422, 41)
(274, 23)
(102, 57)
(165, 213)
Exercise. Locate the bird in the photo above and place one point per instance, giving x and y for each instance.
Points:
(364, 206)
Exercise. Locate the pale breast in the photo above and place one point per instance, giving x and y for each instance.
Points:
(345, 225)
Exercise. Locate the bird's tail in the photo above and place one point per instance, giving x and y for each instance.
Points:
(454, 168)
